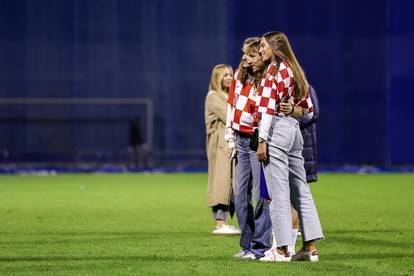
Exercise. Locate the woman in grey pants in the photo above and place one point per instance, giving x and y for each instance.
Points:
(283, 94)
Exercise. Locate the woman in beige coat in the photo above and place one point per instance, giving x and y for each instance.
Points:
(219, 170)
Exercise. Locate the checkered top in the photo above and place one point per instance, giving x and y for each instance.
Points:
(242, 99)
(278, 86)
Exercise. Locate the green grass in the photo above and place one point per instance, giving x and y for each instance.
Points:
(125, 224)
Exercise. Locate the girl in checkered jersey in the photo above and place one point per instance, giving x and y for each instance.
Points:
(219, 176)
(283, 94)
(254, 221)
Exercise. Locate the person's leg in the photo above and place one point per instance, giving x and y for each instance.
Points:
(262, 235)
(282, 135)
(295, 226)
(220, 214)
(301, 197)
(277, 179)
(135, 157)
(242, 193)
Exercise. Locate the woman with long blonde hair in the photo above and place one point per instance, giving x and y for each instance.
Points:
(219, 170)
(283, 95)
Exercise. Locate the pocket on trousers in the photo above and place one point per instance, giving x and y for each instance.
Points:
(283, 137)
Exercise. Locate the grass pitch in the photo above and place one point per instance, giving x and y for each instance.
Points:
(158, 224)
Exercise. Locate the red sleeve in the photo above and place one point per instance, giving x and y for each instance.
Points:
(306, 104)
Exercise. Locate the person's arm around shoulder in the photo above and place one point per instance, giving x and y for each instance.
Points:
(315, 102)
(305, 121)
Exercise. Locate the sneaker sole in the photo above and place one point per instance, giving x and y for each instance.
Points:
(266, 261)
(312, 259)
(248, 259)
(225, 234)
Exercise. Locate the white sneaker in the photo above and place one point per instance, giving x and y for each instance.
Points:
(291, 250)
(240, 254)
(225, 230)
(249, 256)
(270, 250)
(236, 230)
(273, 256)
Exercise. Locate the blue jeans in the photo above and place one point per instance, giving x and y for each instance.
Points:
(254, 219)
(286, 183)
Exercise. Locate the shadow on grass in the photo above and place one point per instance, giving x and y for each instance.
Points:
(370, 231)
(365, 256)
(186, 233)
(44, 238)
(330, 264)
(112, 233)
(190, 258)
(370, 242)
(149, 258)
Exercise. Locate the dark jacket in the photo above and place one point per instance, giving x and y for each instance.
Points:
(308, 129)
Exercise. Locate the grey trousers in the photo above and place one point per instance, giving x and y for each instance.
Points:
(286, 183)
(220, 212)
(254, 219)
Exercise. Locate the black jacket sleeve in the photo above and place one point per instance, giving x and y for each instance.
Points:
(304, 122)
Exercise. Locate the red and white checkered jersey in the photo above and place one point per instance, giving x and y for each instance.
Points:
(278, 86)
(242, 99)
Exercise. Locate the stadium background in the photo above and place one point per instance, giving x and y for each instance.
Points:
(74, 73)
(357, 54)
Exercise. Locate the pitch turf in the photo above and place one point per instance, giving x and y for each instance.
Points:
(159, 225)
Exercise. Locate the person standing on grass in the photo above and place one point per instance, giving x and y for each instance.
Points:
(254, 221)
(283, 93)
(308, 130)
(219, 169)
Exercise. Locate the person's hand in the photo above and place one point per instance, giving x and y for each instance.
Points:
(262, 152)
(231, 152)
(286, 108)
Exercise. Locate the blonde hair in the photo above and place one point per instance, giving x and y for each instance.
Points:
(282, 50)
(217, 77)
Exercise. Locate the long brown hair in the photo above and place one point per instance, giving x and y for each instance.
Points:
(252, 45)
(282, 50)
(217, 77)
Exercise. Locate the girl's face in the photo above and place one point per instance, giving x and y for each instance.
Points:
(257, 62)
(265, 51)
(246, 58)
(226, 78)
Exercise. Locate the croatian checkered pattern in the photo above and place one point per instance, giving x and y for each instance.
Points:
(243, 100)
(277, 87)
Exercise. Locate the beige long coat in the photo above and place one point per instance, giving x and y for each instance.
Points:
(219, 181)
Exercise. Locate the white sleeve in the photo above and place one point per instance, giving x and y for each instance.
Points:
(229, 134)
(264, 125)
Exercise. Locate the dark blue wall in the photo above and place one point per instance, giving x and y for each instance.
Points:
(400, 77)
(356, 54)
(343, 51)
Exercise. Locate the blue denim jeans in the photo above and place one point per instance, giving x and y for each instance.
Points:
(253, 217)
(286, 183)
